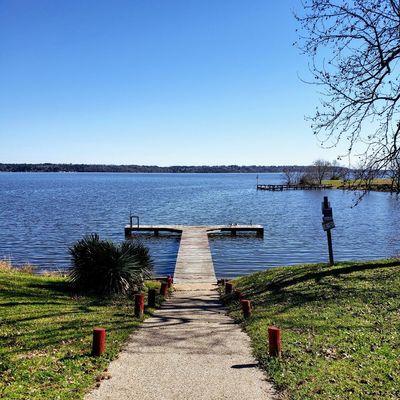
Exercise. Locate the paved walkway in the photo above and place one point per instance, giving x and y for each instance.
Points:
(189, 350)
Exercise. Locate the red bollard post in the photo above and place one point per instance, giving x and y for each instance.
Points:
(139, 305)
(274, 341)
(228, 288)
(246, 308)
(164, 289)
(151, 298)
(169, 281)
(99, 342)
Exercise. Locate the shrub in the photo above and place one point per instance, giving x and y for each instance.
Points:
(106, 268)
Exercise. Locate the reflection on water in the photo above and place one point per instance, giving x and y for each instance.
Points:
(42, 214)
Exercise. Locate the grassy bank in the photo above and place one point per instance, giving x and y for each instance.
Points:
(378, 184)
(341, 328)
(46, 333)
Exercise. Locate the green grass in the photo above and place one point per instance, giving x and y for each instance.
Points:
(340, 327)
(46, 334)
(378, 183)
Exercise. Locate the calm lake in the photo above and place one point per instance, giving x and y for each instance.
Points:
(42, 214)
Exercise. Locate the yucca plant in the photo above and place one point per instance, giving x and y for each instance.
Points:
(106, 268)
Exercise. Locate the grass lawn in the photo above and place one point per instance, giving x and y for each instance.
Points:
(375, 183)
(46, 335)
(340, 328)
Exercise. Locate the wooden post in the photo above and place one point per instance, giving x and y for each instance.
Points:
(328, 224)
(164, 289)
(330, 248)
(99, 342)
(169, 281)
(139, 305)
(246, 308)
(151, 298)
(228, 288)
(274, 341)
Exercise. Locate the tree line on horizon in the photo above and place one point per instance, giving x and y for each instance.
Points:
(50, 167)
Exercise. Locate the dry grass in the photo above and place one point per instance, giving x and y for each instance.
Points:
(6, 265)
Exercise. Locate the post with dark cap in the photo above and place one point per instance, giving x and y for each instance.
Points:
(327, 225)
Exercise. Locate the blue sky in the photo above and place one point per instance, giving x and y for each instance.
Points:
(154, 82)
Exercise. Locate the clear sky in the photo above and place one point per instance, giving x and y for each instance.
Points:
(162, 82)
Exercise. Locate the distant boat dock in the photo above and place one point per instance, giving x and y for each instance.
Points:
(280, 188)
(194, 262)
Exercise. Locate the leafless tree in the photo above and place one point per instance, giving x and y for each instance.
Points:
(320, 170)
(354, 51)
(292, 176)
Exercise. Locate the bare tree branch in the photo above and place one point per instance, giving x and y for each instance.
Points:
(354, 48)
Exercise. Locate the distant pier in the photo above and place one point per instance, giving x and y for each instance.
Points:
(194, 262)
(280, 188)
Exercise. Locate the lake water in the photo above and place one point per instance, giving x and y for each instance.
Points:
(42, 214)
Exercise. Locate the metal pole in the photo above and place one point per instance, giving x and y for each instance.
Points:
(330, 249)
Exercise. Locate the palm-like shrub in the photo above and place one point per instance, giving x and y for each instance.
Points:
(106, 268)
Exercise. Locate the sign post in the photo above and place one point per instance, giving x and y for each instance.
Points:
(327, 225)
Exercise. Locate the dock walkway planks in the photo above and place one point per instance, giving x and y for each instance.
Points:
(194, 262)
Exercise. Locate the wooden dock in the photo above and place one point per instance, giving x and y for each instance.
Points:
(280, 188)
(194, 262)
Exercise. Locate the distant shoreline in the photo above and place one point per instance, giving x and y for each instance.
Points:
(67, 168)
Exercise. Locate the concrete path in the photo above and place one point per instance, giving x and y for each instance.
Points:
(189, 350)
